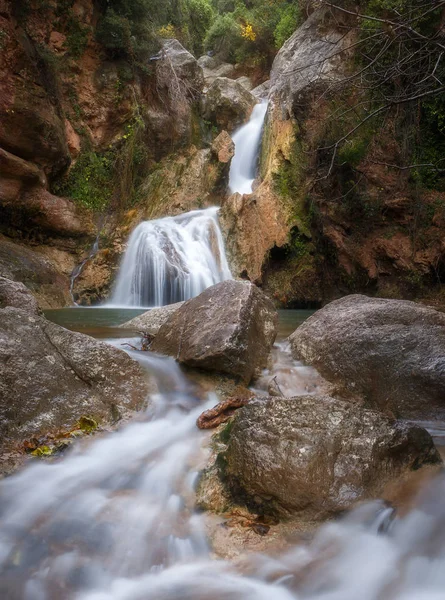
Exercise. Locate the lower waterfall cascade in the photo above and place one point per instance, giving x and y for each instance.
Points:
(171, 259)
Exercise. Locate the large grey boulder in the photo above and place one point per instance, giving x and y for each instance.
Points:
(313, 456)
(150, 322)
(178, 69)
(229, 328)
(212, 68)
(314, 55)
(14, 293)
(390, 352)
(50, 377)
(227, 104)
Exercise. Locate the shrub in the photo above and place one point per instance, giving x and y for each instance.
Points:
(290, 19)
(224, 37)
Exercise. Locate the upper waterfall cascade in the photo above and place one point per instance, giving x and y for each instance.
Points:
(247, 142)
(172, 259)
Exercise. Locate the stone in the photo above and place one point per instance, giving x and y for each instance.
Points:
(390, 352)
(55, 216)
(176, 65)
(227, 104)
(315, 456)
(262, 91)
(41, 277)
(245, 82)
(229, 328)
(151, 321)
(16, 294)
(223, 147)
(222, 70)
(50, 377)
(313, 55)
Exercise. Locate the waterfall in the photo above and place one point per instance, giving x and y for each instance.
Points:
(172, 259)
(247, 142)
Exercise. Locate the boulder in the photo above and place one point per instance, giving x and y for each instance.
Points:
(13, 293)
(223, 147)
(51, 215)
(390, 352)
(227, 104)
(177, 67)
(245, 82)
(213, 72)
(313, 56)
(50, 377)
(229, 328)
(314, 456)
(151, 321)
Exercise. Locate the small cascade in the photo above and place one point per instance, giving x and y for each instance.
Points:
(247, 142)
(172, 259)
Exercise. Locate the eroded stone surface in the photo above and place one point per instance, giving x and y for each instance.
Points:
(229, 328)
(390, 352)
(50, 377)
(313, 456)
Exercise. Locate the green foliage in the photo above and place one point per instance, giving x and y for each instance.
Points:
(224, 37)
(290, 19)
(77, 37)
(199, 18)
(90, 181)
(114, 33)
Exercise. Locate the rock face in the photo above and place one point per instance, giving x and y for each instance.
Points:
(17, 295)
(229, 328)
(310, 57)
(50, 377)
(227, 103)
(391, 352)
(20, 263)
(313, 456)
(151, 321)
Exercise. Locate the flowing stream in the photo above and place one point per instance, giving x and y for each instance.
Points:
(171, 259)
(115, 520)
(247, 142)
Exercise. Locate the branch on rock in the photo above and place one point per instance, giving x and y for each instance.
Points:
(220, 413)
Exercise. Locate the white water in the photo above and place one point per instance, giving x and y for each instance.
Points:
(247, 142)
(171, 259)
(114, 520)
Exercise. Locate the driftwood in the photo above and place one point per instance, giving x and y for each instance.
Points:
(220, 413)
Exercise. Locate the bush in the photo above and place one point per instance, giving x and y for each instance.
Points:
(114, 33)
(200, 16)
(290, 19)
(224, 37)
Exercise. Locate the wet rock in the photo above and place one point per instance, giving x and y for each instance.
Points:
(390, 352)
(13, 293)
(229, 328)
(50, 377)
(314, 456)
(227, 103)
(151, 321)
(223, 147)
